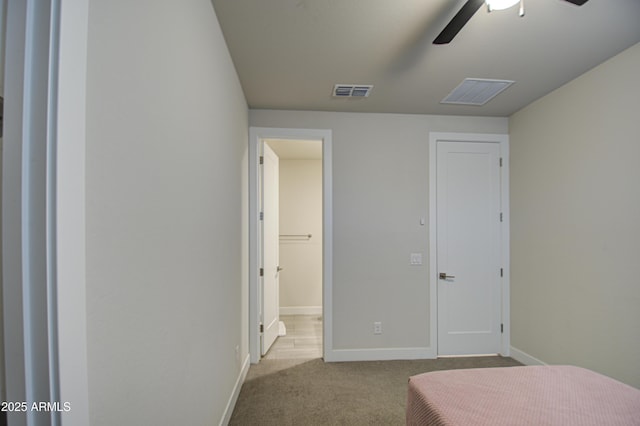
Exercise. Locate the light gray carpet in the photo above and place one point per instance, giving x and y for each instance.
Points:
(312, 392)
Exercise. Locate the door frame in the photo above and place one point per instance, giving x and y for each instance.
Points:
(256, 135)
(503, 141)
(45, 69)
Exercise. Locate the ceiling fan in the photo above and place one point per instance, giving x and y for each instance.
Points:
(471, 7)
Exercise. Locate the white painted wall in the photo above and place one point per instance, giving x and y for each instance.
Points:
(300, 213)
(3, 6)
(380, 192)
(575, 206)
(166, 215)
(70, 200)
(3, 28)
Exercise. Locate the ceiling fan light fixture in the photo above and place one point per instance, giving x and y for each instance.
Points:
(501, 4)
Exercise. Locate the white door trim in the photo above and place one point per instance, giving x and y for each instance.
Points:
(503, 140)
(256, 134)
(45, 71)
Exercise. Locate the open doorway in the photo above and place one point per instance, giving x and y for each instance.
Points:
(304, 240)
(299, 245)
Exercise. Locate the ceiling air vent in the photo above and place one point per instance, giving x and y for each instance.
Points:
(476, 91)
(351, 90)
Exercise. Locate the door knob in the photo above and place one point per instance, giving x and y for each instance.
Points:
(279, 269)
(444, 276)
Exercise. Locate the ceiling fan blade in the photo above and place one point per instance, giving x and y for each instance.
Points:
(462, 17)
(577, 2)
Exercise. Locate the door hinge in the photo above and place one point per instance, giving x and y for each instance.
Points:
(261, 215)
(501, 272)
(500, 162)
(501, 328)
(500, 216)
(262, 272)
(262, 160)
(261, 328)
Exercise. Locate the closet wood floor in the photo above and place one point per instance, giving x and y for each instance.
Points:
(303, 339)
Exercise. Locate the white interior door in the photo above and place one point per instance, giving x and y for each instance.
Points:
(270, 248)
(468, 248)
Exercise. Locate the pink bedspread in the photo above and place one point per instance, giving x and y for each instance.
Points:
(534, 395)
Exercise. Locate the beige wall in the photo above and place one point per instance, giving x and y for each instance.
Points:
(166, 217)
(380, 192)
(575, 216)
(300, 213)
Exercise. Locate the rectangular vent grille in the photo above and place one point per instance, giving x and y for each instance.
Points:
(351, 90)
(476, 91)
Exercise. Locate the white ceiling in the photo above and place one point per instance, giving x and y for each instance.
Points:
(290, 53)
(288, 149)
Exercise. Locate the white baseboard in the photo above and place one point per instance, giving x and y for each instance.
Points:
(379, 354)
(300, 310)
(525, 358)
(236, 391)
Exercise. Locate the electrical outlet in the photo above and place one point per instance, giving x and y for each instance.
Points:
(377, 327)
(416, 259)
